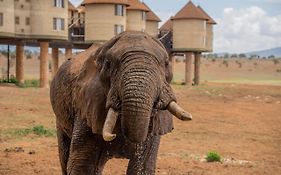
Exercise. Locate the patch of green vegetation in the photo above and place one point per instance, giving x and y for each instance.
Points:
(184, 155)
(11, 80)
(213, 156)
(38, 130)
(27, 83)
(31, 83)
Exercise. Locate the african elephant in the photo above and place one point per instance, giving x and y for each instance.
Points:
(113, 102)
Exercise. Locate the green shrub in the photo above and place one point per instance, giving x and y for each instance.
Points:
(225, 62)
(213, 157)
(39, 130)
(11, 80)
(31, 83)
(275, 61)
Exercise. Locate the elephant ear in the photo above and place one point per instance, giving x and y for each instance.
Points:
(90, 93)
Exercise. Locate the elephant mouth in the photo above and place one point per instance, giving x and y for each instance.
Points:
(112, 117)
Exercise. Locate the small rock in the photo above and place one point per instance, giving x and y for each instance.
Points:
(31, 152)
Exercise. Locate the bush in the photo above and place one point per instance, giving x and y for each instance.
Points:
(11, 80)
(225, 62)
(239, 63)
(275, 61)
(255, 64)
(213, 157)
(31, 83)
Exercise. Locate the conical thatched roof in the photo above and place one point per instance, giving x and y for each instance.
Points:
(104, 2)
(190, 11)
(151, 16)
(167, 26)
(71, 6)
(210, 20)
(81, 9)
(137, 5)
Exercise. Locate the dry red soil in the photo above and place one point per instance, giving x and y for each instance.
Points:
(240, 122)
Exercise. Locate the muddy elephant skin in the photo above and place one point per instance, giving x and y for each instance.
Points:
(128, 75)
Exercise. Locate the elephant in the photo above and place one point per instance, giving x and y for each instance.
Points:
(114, 101)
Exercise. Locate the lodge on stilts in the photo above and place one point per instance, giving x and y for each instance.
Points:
(59, 24)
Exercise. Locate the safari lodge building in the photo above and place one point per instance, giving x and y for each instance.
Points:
(59, 24)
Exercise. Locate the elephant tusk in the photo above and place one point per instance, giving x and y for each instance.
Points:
(109, 125)
(178, 112)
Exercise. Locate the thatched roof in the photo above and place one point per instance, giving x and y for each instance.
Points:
(190, 11)
(137, 5)
(167, 26)
(151, 16)
(104, 2)
(81, 9)
(71, 6)
(210, 20)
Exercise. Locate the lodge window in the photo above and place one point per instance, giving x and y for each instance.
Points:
(17, 20)
(58, 24)
(27, 21)
(59, 3)
(143, 15)
(119, 10)
(118, 29)
(1, 19)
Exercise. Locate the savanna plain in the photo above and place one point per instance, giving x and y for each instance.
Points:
(236, 113)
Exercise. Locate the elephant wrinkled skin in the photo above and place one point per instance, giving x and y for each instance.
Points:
(114, 101)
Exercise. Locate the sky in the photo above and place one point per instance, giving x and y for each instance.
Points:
(243, 25)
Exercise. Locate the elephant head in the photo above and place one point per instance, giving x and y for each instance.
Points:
(126, 80)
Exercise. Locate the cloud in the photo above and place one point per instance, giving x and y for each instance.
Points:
(248, 29)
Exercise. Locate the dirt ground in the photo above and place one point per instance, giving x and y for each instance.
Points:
(240, 122)
(232, 115)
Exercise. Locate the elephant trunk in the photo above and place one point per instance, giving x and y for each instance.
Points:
(139, 92)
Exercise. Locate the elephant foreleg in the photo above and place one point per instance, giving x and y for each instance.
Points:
(143, 157)
(87, 151)
(63, 147)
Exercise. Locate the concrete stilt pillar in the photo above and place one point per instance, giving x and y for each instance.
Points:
(197, 61)
(44, 65)
(55, 61)
(188, 67)
(68, 53)
(20, 64)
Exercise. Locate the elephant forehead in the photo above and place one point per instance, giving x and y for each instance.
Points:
(137, 43)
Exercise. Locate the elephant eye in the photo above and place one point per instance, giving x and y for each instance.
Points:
(107, 64)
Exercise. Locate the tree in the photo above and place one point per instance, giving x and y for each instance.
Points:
(234, 55)
(226, 55)
(271, 56)
(242, 55)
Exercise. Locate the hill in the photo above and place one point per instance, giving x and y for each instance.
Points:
(265, 53)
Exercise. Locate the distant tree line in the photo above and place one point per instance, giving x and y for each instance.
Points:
(234, 56)
(28, 53)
